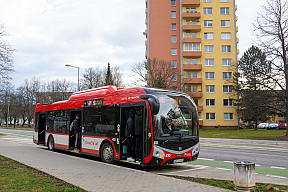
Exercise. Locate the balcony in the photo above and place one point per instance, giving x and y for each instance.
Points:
(191, 2)
(196, 28)
(194, 67)
(200, 108)
(192, 53)
(191, 15)
(193, 80)
(191, 40)
(200, 121)
(195, 94)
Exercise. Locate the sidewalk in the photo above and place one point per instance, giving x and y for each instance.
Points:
(93, 175)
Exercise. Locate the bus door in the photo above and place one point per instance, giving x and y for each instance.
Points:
(41, 128)
(125, 110)
(72, 133)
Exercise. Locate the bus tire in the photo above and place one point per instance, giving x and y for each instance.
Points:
(107, 153)
(51, 143)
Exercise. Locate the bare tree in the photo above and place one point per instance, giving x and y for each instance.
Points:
(56, 90)
(6, 59)
(271, 34)
(160, 73)
(92, 78)
(117, 76)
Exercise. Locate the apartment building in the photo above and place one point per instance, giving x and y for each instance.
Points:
(199, 37)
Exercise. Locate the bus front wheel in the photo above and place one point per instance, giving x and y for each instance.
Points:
(51, 143)
(107, 153)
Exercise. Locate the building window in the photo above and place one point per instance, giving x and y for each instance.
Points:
(227, 75)
(193, 10)
(194, 74)
(188, 61)
(208, 23)
(187, 10)
(196, 101)
(228, 102)
(192, 46)
(210, 88)
(210, 116)
(227, 88)
(207, 0)
(225, 23)
(193, 35)
(228, 116)
(209, 62)
(174, 39)
(207, 11)
(210, 102)
(189, 75)
(188, 88)
(226, 48)
(225, 36)
(226, 62)
(174, 77)
(209, 48)
(194, 61)
(208, 36)
(174, 64)
(224, 1)
(173, 26)
(173, 14)
(174, 51)
(209, 75)
(174, 88)
(195, 88)
(224, 10)
(173, 2)
(272, 119)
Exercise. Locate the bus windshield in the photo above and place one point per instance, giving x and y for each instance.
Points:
(177, 117)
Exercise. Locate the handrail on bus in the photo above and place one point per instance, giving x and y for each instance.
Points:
(153, 103)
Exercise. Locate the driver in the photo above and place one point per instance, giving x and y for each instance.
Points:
(169, 127)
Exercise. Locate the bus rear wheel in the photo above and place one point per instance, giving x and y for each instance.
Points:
(51, 143)
(107, 153)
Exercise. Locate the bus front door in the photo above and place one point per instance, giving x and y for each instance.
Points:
(41, 128)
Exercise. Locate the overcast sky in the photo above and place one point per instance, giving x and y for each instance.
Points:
(47, 34)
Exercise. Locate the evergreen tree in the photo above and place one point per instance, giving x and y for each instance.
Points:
(109, 79)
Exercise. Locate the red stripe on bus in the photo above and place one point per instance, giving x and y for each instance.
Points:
(92, 151)
(148, 159)
(61, 146)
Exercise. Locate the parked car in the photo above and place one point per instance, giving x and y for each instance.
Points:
(262, 125)
(273, 126)
(282, 126)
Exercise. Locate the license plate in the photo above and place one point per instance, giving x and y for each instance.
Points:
(178, 160)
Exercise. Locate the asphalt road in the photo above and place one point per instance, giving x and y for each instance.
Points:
(267, 158)
(18, 132)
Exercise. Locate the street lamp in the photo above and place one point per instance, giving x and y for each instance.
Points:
(67, 65)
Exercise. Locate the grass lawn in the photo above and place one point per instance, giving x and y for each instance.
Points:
(229, 184)
(260, 134)
(15, 176)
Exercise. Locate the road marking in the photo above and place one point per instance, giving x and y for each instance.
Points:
(245, 147)
(224, 169)
(277, 167)
(228, 161)
(202, 167)
(207, 159)
(277, 176)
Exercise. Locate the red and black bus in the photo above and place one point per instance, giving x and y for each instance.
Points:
(103, 115)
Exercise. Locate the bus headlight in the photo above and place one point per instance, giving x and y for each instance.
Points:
(159, 153)
(195, 149)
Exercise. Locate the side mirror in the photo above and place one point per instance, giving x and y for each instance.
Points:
(153, 103)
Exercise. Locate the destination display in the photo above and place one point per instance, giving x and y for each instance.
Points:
(93, 102)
